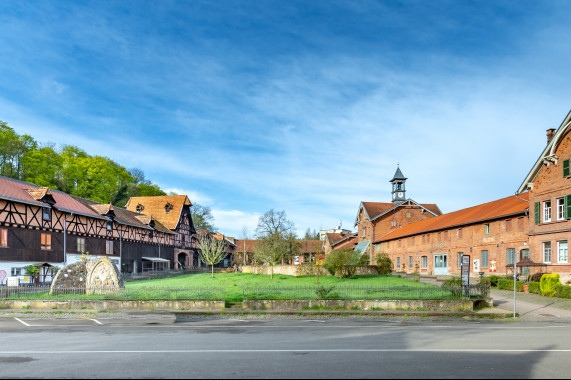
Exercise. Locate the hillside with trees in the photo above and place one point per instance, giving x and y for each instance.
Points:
(70, 169)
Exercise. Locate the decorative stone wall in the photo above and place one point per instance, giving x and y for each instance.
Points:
(91, 276)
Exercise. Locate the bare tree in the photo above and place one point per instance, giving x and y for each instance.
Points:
(212, 251)
(274, 223)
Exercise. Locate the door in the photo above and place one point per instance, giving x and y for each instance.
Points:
(441, 265)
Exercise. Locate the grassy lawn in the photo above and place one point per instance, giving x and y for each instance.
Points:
(233, 282)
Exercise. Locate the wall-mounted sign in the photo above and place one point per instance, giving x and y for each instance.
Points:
(13, 281)
(492, 265)
(476, 265)
(2, 274)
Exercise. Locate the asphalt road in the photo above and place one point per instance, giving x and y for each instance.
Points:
(350, 348)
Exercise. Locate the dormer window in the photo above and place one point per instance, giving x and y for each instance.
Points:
(168, 208)
(139, 208)
(47, 214)
(109, 225)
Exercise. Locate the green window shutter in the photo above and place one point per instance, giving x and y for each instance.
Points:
(537, 213)
(566, 168)
(567, 207)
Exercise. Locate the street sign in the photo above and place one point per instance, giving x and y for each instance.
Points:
(466, 270)
(2, 274)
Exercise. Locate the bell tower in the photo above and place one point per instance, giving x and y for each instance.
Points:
(398, 181)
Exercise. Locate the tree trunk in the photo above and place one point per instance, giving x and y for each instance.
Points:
(212, 271)
(272, 273)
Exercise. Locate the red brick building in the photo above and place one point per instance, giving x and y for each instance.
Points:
(490, 233)
(376, 219)
(549, 185)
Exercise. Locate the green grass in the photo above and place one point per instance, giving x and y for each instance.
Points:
(233, 282)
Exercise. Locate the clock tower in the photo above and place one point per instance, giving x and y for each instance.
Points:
(398, 186)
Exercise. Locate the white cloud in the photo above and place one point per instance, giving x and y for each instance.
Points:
(231, 222)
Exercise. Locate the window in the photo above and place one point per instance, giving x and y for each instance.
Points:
(109, 247)
(547, 211)
(487, 228)
(3, 238)
(168, 208)
(398, 263)
(424, 262)
(393, 224)
(363, 232)
(46, 214)
(560, 208)
(459, 262)
(566, 168)
(536, 213)
(484, 259)
(562, 252)
(46, 242)
(139, 208)
(547, 252)
(16, 271)
(510, 256)
(410, 261)
(412, 241)
(80, 245)
(109, 225)
(378, 247)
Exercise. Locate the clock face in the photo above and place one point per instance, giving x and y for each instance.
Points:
(400, 194)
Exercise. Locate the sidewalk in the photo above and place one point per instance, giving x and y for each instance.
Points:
(533, 307)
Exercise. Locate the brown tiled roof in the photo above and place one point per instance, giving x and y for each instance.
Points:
(349, 242)
(155, 206)
(102, 209)
(374, 209)
(487, 211)
(20, 191)
(39, 192)
(335, 237)
(311, 246)
(249, 245)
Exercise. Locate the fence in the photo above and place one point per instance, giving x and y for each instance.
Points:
(365, 293)
(41, 293)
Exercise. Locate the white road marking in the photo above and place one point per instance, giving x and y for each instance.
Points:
(96, 321)
(22, 322)
(341, 350)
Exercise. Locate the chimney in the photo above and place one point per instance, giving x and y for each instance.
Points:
(550, 134)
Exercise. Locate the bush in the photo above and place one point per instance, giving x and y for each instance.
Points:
(343, 262)
(548, 283)
(505, 284)
(452, 282)
(563, 291)
(485, 281)
(493, 280)
(384, 263)
(534, 287)
(536, 277)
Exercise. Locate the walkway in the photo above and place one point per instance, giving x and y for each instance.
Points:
(533, 307)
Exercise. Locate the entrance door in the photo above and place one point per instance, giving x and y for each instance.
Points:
(441, 265)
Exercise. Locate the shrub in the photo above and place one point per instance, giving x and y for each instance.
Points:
(534, 287)
(452, 282)
(536, 277)
(505, 284)
(563, 291)
(384, 263)
(548, 283)
(493, 280)
(343, 262)
(485, 281)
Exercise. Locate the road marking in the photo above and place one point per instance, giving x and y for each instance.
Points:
(341, 350)
(96, 321)
(22, 322)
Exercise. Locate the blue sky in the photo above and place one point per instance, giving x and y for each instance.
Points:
(302, 106)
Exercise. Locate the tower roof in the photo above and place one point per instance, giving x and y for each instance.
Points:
(398, 175)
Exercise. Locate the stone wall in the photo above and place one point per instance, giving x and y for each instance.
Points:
(114, 305)
(432, 305)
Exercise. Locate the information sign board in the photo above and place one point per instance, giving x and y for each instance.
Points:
(13, 281)
(466, 270)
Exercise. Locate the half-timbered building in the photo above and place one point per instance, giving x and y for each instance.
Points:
(42, 225)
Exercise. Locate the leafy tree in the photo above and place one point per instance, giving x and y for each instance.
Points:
(212, 251)
(12, 148)
(202, 217)
(43, 168)
(276, 239)
(343, 262)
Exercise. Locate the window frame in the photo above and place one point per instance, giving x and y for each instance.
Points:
(16, 271)
(487, 229)
(46, 242)
(109, 247)
(559, 261)
(410, 261)
(512, 257)
(560, 204)
(545, 245)
(547, 215)
(46, 214)
(484, 263)
(459, 256)
(3, 238)
(80, 244)
(424, 262)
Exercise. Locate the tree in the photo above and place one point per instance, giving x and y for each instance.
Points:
(343, 262)
(43, 167)
(202, 217)
(311, 235)
(212, 251)
(276, 239)
(384, 263)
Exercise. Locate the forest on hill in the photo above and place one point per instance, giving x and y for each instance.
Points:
(70, 169)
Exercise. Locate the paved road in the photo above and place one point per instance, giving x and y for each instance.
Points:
(350, 348)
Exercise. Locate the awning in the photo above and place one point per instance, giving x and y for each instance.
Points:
(156, 259)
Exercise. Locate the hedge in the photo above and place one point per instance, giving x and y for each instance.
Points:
(562, 291)
(548, 283)
(509, 285)
(534, 287)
